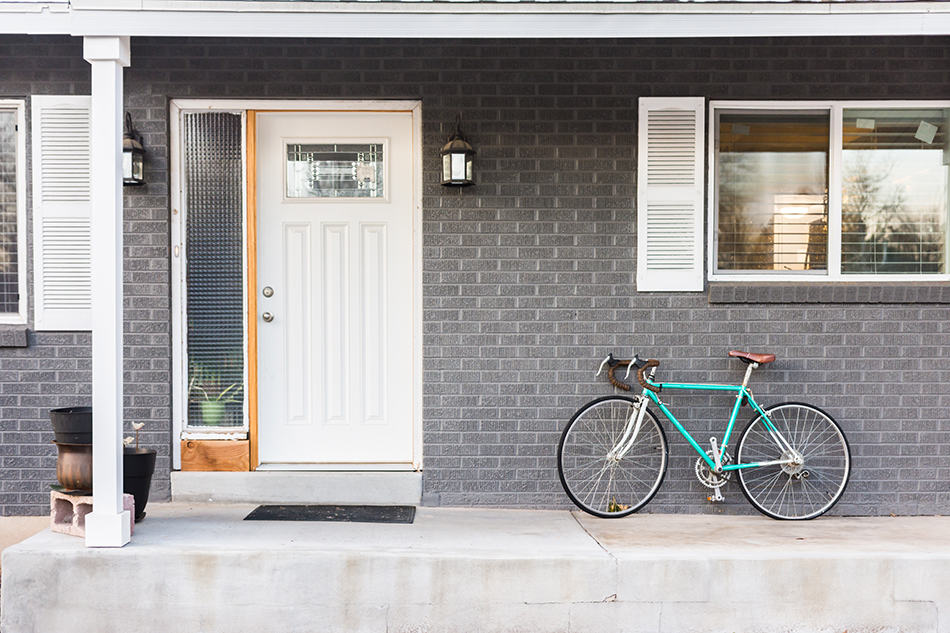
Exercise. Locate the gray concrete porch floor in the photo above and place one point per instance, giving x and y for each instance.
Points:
(199, 567)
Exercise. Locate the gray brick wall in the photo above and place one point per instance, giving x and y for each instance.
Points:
(55, 369)
(529, 276)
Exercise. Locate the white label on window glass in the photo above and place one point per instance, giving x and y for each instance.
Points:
(458, 166)
(864, 124)
(926, 132)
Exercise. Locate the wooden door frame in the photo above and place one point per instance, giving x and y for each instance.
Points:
(251, 108)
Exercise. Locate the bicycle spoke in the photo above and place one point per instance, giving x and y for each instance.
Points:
(610, 487)
(811, 480)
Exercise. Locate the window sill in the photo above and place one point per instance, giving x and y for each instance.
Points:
(14, 336)
(900, 292)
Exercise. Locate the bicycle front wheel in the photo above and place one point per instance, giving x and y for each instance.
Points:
(604, 486)
(794, 491)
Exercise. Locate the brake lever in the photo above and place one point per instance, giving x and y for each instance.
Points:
(636, 359)
(601, 368)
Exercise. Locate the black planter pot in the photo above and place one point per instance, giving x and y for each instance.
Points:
(138, 466)
(72, 425)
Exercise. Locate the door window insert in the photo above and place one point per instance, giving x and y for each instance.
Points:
(335, 170)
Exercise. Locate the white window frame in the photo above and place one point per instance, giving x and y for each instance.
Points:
(180, 427)
(835, 157)
(20, 316)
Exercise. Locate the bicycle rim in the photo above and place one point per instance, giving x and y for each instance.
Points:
(789, 491)
(601, 486)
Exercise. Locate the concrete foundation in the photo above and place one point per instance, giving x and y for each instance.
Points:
(201, 568)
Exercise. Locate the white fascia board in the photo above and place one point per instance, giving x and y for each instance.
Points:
(240, 18)
(508, 25)
(515, 7)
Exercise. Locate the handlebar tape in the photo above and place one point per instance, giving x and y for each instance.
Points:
(610, 374)
(643, 382)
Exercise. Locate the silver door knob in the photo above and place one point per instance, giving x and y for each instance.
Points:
(268, 317)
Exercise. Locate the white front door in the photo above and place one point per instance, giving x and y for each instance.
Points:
(335, 287)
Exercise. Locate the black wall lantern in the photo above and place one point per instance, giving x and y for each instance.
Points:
(133, 155)
(457, 159)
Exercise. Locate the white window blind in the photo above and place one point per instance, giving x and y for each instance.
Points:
(62, 207)
(670, 194)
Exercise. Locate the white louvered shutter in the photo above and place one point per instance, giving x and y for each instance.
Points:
(670, 194)
(62, 208)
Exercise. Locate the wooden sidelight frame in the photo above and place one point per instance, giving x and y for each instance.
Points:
(208, 444)
(250, 389)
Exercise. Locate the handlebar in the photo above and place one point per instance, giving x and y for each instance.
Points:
(641, 365)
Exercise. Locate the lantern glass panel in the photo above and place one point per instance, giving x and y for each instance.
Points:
(458, 166)
(138, 166)
(127, 165)
(468, 168)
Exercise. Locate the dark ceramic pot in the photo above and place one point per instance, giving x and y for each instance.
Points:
(72, 425)
(74, 466)
(138, 465)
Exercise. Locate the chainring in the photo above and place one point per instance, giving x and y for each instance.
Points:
(706, 476)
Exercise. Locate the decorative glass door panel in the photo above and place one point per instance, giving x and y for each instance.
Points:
(335, 170)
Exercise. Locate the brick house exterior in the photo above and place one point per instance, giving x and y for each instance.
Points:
(529, 277)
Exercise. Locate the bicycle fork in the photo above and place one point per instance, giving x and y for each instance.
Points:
(630, 430)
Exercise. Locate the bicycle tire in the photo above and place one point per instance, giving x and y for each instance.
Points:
(809, 490)
(585, 441)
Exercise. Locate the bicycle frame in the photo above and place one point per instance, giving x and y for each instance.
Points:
(743, 395)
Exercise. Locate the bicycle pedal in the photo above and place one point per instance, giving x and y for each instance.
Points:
(716, 497)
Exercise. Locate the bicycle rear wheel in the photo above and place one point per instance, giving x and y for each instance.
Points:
(794, 491)
(597, 484)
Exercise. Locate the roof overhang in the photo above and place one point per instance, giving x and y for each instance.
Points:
(227, 18)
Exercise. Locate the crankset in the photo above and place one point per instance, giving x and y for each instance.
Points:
(707, 476)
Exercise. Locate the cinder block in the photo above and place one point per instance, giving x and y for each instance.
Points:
(68, 512)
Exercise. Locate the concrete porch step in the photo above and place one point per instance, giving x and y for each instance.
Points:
(201, 568)
(364, 487)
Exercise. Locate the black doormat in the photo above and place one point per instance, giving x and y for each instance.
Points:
(355, 514)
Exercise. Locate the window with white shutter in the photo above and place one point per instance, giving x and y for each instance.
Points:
(670, 194)
(62, 206)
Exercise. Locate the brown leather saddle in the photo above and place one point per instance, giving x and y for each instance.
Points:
(747, 357)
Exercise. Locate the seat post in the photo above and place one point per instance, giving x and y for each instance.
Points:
(748, 373)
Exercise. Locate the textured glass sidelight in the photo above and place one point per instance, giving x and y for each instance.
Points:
(894, 207)
(772, 190)
(214, 234)
(334, 170)
(9, 264)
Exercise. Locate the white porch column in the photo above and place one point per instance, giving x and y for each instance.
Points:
(107, 525)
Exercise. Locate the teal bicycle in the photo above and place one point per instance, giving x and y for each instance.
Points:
(792, 460)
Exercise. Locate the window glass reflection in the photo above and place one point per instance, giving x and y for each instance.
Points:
(894, 199)
(772, 191)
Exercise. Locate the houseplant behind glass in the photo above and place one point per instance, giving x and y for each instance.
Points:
(212, 394)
